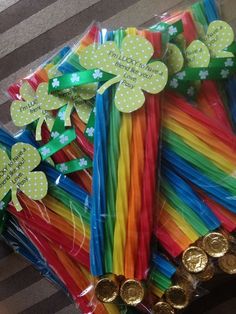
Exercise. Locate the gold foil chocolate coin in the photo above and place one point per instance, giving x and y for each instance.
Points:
(194, 259)
(177, 297)
(163, 308)
(206, 274)
(227, 263)
(106, 290)
(132, 292)
(215, 244)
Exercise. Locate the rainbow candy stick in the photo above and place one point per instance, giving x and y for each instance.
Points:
(112, 172)
(160, 275)
(151, 171)
(137, 151)
(212, 160)
(99, 185)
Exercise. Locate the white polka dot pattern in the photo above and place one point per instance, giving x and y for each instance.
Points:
(219, 36)
(15, 174)
(197, 54)
(131, 69)
(174, 59)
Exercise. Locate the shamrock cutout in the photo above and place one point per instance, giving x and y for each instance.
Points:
(174, 58)
(197, 54)
(130, 68)
(219, 36)
(34, 107)
(78, 98)
(16, 174)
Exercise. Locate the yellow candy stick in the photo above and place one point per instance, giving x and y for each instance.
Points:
(63, 211)
(223, 163)
(179, 220)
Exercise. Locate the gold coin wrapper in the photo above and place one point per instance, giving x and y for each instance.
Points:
(197, 265)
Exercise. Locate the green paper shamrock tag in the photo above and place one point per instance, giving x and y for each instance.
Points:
(174, 59)
(130, 66)
(16, 174)
(219, 36)
(34, 107)
(197, 54)
(78, 98)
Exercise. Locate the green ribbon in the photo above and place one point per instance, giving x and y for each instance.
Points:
(59, 123)
(90, 127)
(57, 143)
(75, 165)
(231, 48)
(183, 87)
(173, 30)
(77, 78)
(219, 68)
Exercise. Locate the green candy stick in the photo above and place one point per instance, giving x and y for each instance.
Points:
(183, 209)
(200, 161)
(112, 163)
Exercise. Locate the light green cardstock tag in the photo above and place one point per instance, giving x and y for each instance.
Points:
(37, 105)
(130, 68)
(197, 54)
(16, 174)
(174, 59)
(78, 98)
(219, 36)
(34, 107)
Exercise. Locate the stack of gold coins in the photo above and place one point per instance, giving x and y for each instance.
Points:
(108, 288)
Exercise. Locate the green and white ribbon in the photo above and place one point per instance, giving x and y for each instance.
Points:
(57, 143)
(75, 165)
(219, 68)
(173, 30)
(90, 127)
(184, 87)
(77, 78)
(59, 124)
